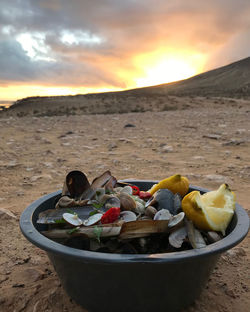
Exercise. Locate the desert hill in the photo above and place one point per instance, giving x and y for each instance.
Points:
(230, 81)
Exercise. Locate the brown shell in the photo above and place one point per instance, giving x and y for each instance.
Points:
(127, 202)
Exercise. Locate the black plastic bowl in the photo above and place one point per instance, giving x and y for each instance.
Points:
(124, 282)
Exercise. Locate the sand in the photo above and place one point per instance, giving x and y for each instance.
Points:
(209, 145)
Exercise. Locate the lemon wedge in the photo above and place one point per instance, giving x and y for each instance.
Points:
(212, 210)
(175, 183)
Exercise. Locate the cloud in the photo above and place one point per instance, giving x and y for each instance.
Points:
(93, 43)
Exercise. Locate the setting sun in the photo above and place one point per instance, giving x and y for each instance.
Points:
(160, 67)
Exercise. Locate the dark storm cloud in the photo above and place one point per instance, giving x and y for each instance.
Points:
(125, 28)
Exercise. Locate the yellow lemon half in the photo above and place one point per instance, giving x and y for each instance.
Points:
(212, 210)
(175, 183)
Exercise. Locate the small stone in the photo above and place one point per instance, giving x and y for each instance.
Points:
(46, 141)
(230, 293)
(48, 164)
(48, 152)
(29, 169)
(129, 125)
(233, 142)
(111, 146)
(217, 178)
(65, 134)
(20, 193)
(167, 149)
(3, 279)
(12, 164)
(38, 177)
(212, 136)
(6, 214)
(35, 274)
(18, 285)
(240, 131)
(198, 157)
(40, 130)
(236, 252)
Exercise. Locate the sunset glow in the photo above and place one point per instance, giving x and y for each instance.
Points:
(163, 67)
(17, 92)
(149, 69)
(52, 48)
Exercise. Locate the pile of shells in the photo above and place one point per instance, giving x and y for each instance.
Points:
(109, 216)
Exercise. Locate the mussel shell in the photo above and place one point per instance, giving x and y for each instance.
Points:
(77, 183)
(162, 199)
(177, 203)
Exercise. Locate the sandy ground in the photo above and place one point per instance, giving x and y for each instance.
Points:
(209, 146)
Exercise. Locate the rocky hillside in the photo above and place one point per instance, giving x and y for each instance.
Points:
(231, 81)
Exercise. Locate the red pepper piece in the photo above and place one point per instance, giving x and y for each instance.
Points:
(110, 215)
(144, 195)
(135, 189)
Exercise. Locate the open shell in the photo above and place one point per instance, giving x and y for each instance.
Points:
(176, 220)
(94, 219)
(77, 183)
(162, 214)
(128, 216)
(177, 237)
(72, 219)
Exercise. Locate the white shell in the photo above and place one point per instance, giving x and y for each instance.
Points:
(176, 219)
(72, 219)
(127, 189)
(93, 219)
(139, 200)
(128, 216)
(140, 208)
(177, 237)
(162, 214)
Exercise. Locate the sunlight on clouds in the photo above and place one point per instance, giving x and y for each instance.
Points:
(165, 66)
(34, 45)
(79, 37)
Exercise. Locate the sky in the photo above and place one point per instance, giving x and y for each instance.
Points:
(58, 47)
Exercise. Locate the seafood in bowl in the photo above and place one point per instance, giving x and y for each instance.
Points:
(152, 280)
(118, 217)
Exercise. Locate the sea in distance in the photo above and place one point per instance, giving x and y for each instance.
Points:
(5, 104)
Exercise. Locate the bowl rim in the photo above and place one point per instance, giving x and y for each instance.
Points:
(35, 237)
